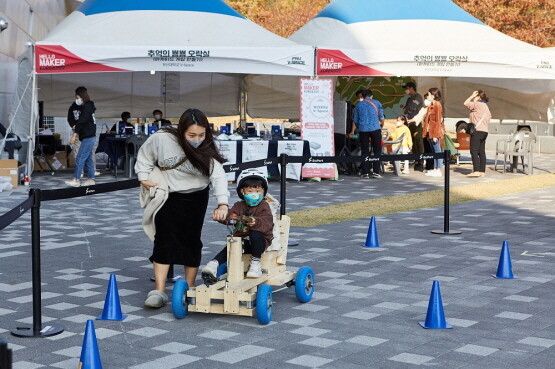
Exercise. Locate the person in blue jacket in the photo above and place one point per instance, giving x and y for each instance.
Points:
(369, 119)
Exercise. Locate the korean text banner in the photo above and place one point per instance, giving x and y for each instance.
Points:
(317, 125)
(97, 58)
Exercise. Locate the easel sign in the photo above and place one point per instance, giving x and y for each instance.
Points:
(317, 124)
(228, 149)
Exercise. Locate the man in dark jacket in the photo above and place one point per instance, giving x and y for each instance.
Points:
(159, 120)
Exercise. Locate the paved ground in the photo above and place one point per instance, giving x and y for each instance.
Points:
(367, 302)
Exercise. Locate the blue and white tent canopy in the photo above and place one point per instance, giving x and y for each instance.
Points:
(135, 38)
(416, 38)
(167, 35)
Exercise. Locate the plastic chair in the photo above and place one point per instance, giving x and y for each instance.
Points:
(519, 144)
(396, 164)
(132, 146)
(385, 134)
(463, 139)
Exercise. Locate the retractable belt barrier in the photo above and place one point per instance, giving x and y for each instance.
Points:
(12, 215)
(36, 196)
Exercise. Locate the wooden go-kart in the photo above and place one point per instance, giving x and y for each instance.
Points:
(234, 294)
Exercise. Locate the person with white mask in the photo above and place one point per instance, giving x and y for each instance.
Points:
(159, 120)
(404, 146)
(433, 130)
(414, 100)
(188, 160)
(415, 127)
(84, 129)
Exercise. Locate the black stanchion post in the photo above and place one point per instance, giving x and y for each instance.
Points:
(37, 329)
(5, 356)
(282, 191)
(283, 183)
(447, 189)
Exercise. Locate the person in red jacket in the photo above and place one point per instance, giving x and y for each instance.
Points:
(257, 231)
(433, 130)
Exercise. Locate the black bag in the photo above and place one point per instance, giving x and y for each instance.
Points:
(470, 128)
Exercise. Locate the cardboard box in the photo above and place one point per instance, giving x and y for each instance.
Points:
(60, 160)
(9, 168)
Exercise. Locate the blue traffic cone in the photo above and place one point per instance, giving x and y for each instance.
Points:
(90, 357)
(112, 306)
(372, 237)
(505, 267)
(435, 317)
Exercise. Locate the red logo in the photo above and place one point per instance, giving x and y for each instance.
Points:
(57, 59)
(336, 63)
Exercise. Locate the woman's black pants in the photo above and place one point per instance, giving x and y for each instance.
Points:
(478, 151)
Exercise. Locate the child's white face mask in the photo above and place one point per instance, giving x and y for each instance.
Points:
(427, 102)
(399, 123)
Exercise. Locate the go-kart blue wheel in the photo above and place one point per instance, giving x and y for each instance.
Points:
(264, 304)
(180, 305)
(304, 284)
(222, 269)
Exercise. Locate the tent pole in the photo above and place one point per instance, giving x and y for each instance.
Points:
(165, 92)
(31, 139)
(242, 101)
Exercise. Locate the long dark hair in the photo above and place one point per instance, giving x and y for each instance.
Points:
(436, 92)
(200, 158)
(83, 94)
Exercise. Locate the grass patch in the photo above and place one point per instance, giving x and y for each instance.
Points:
(419, 200)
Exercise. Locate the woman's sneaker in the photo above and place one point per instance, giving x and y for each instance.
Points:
(88, 182)
(255, 270)
(73, 183)
(156, 299)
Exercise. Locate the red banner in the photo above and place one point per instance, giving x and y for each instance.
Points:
(57, 59)
(336, 63)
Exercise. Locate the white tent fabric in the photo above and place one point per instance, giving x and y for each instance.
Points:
(438, 44)
(141, 55)
(412, 38)
(136, 38)
(170, 35)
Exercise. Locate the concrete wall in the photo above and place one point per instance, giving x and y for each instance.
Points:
(28, 20)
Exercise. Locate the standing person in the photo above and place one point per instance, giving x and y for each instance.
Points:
(415, 127)
(369, 119)
(432, 129)
(85, 131)
(480, 116)
(73, 115)
(414, 100)
(189, 161)
(405, 145)
(159, 120)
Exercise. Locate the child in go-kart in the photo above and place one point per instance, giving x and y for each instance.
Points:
(252, 219)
